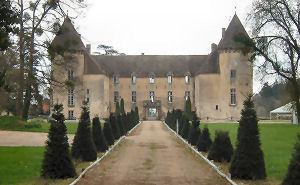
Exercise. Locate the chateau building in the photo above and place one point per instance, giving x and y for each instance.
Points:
(216, 83)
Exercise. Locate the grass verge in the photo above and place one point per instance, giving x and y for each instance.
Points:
(277, 144)
(22, 166)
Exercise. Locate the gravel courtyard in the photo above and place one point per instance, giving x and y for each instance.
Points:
(152, 155)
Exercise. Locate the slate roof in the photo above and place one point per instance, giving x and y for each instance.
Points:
(235, 27)
(68, 38)
(159, 65)
(144, 65)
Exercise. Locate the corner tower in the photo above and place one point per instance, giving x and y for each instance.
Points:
(236, 71)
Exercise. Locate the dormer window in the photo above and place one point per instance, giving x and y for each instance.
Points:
(70, 74)
(133, 79)
(187, 79)
(151, 79)
(116, 79)
(170, 79)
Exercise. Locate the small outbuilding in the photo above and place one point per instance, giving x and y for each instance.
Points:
(284, 112)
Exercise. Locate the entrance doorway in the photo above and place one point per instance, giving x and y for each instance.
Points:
(151, 114)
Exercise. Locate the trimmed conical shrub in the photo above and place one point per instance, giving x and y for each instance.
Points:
(98, 136)
(137, 117)
(120, 125)
(186, 128)
(122, 108)
(108, 134)
(114, 126)
(195, 131)
(248, 159)
(57, 163)
(188, 109)
(83, 145)
(221, 149)
(204, 141)
(293, 174)
(117, 112)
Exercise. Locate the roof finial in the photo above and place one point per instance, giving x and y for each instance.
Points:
(235, 9)
(67, 13)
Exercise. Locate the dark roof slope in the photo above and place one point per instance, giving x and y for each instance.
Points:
(235, 27)
(68, 38)
(159, 65)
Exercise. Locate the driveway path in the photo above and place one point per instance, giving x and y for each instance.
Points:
(152, 155)
(17, 138)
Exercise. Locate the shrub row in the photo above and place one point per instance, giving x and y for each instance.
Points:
(57, 161)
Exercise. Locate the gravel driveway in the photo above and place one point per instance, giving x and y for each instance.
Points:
(17, 138)
(152, 155)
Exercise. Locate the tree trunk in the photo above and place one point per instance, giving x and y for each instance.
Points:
(295, 96)
(19, 100)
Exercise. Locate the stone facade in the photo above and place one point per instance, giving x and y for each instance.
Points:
(217, 83)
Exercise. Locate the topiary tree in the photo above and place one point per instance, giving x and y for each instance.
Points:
(248, 159)
(120, 125)
(221, 149)
(188, 109)
(114, 126)
(137, 117)
(122, 108)
(204, 141)
(186, 128)
(83, 145)
(117, 112)
(98, 136)
(195, 131)
(57, 161)
(293, 174)
(108, 134)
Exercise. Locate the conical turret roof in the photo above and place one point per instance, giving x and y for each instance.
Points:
(235, 28)
(68, 38)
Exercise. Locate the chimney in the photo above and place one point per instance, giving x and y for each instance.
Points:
(223, 32)
(142, 54)
(213, 47)
(88, 48)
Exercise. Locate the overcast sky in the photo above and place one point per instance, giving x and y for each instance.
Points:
(159, 27)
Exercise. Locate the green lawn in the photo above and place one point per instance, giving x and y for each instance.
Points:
(17, 124)
(277, 144)
(22, 166)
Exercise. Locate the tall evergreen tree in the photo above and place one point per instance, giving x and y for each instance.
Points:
(188, 109)
(98, 136)
(83, 145)
(114, 126)
(186, 128)
(122, 108)
(137, 117)
(293, 174)
(57, 161)
(195, 131)
(204, 141)
(108, 133)
(248, 159)
(117, 112)
(221, 149)
(120, 125)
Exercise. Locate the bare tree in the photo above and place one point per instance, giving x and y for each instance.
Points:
(38, 22)
(107, 50)
(276, 37)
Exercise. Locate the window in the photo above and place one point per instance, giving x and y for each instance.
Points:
(116, 96)
(133, 79)
(187, 94)
(70, 74)
(71, 97)
(116, 79)
(71, 115)
(232, 73)
(170, 98)
(151, 79)
(217, 107)
(232, 96)
(187, 79)
(87, 91)
(170, 79)
(133, 96)
(88, 95)
(152, 96)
